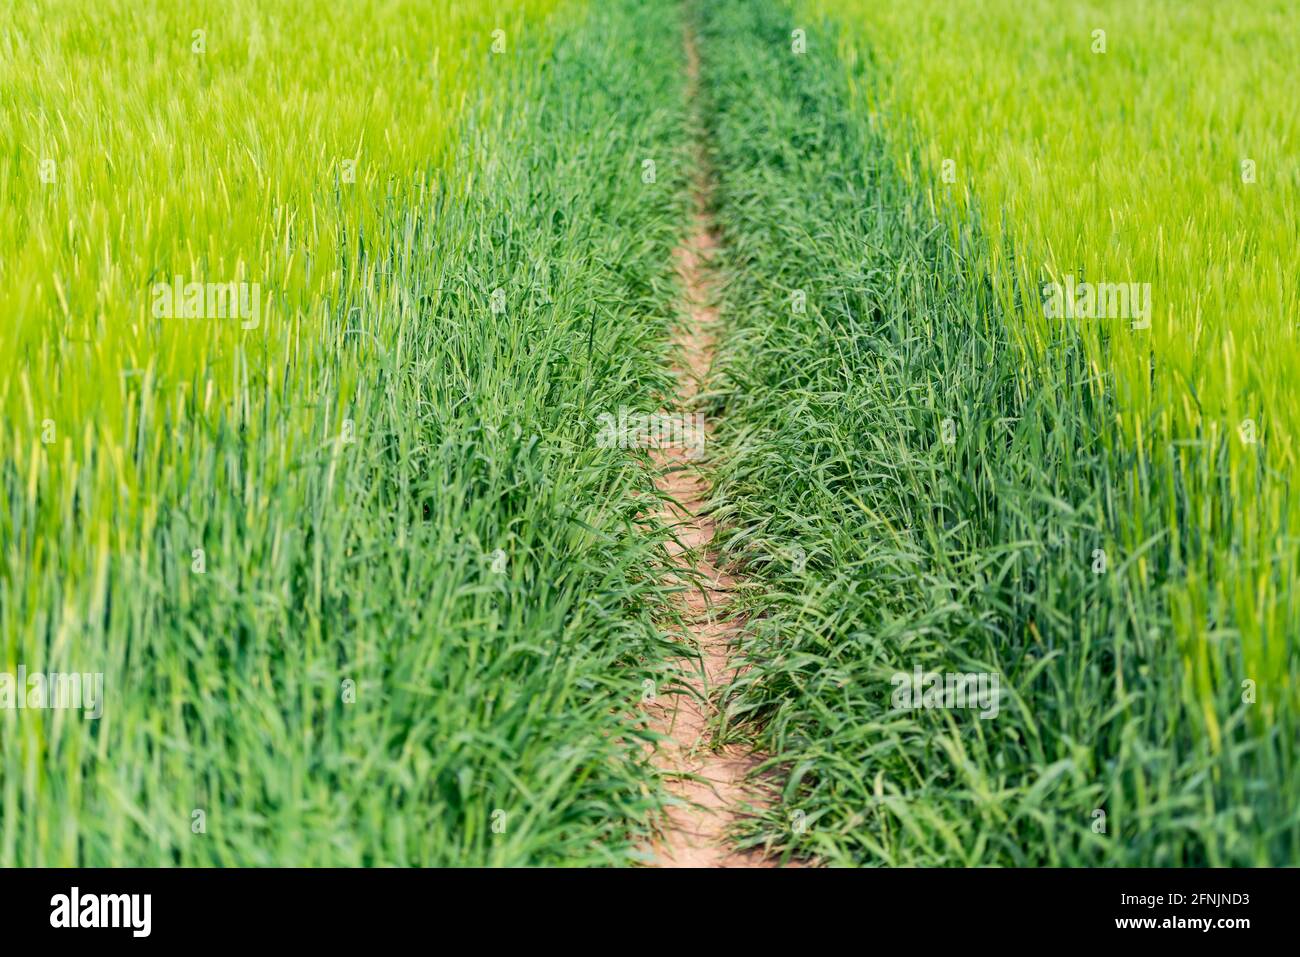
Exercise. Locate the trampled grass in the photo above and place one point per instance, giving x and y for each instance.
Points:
(912, 488)
(361, 586)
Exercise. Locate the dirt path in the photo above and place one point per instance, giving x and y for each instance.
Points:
(711, 782)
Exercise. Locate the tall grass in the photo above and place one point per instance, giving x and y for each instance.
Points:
(362, 587)
(1123, 141)
(955, 502)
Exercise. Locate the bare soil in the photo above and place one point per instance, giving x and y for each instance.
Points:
(713, 783)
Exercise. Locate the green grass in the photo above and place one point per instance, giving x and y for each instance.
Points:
(424, 598)
(366, 590)
(1150, 151)
(949, 492)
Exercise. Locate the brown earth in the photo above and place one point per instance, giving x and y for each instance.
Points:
(713, 784)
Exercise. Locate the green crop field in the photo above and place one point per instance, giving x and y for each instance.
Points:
(315, 319)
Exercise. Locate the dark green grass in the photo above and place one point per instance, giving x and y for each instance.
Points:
(351, 681)
(974, 556)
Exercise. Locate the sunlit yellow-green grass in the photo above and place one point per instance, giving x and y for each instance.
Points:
(247, 142)
(1140, 141)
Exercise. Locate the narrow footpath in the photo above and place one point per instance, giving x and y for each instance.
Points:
(712, 783)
